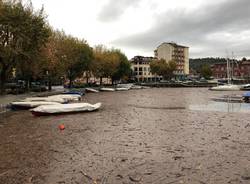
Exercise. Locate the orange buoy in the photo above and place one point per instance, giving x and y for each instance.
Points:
(61, 127)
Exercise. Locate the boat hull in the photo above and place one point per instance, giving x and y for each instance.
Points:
(65, 109)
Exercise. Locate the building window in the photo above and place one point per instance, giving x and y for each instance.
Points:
(136, 69)
(140, 68)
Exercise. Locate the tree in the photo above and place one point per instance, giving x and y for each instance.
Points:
(22, 33)
(75, 57)
(206, 71)
(163, 68)
(124, 68)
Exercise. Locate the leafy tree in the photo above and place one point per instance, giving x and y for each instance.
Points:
(206, 71)
(22, 33)
(75, 57)
(163, 68)
(124, 68)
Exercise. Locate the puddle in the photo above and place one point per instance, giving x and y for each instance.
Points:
(222, 107)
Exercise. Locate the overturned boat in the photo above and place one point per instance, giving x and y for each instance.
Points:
(91, 90)
(121, 89)
(107, 89)
(29, 105)
(64, 108)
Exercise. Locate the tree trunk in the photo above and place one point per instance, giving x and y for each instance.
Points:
(70, 82)
(49, 85)
(100, 81)
(2, 82)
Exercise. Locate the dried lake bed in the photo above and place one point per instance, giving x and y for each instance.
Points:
(157, 135)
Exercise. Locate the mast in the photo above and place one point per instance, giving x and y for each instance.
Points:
(228, 72)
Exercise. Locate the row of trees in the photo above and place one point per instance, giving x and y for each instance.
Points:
(34, 51)
(163, 68)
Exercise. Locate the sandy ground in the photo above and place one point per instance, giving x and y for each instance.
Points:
(140, 136)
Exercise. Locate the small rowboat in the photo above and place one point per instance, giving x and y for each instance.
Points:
(91, 90)
(29, 105)
(64, 108)
(107, 89)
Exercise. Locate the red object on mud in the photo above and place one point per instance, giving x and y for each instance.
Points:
(61, 127)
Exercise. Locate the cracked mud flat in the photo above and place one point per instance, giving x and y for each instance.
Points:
(139, 136)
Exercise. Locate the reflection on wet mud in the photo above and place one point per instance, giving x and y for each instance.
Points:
(222, 107)
(155, 107)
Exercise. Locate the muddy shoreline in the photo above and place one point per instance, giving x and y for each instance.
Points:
(139, 136)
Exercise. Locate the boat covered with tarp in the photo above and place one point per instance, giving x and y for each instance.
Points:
(64, 108)
(29, 105)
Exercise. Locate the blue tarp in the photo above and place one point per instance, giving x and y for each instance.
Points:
(246, 94)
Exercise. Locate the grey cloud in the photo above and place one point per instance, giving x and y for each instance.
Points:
(115, 8)
(196, 29)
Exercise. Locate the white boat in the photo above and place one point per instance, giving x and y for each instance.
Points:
(245, 87)
(124, 85)
(91, 90)
(107, 89)
(226, 87)
(45, 99)
(64, 108)
(136, 87)
(68, 97)
(121, 89)
(28, 105)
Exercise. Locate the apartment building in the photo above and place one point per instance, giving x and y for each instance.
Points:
(141, 69)
(238, 70)
(178, 53)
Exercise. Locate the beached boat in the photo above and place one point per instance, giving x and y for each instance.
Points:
(45, 99)
(68, 97)
(81, 93)
(91, 90)
(121, 89)
(226, 87)
(245, 87)
(136, 87)
(29, 105)
(107, 89)
(64, 108)
(128, 86)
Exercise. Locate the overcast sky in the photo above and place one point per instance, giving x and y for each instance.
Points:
(210, 28)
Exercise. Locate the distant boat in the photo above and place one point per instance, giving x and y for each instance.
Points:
(107, 89)
(91, 90)
(226, 87)
(29, 105)
(245, 87)
(64, 108)
(124, 85)
(73, 92)
(121, 89)
(136, 87)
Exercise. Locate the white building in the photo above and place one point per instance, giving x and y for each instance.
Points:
(141, 69)
(178, 53)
